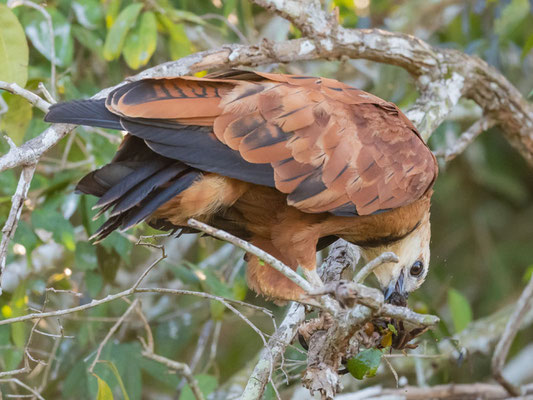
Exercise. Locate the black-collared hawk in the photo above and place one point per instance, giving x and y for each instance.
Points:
(289, 163)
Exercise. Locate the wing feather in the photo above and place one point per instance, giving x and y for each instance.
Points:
(328, 146)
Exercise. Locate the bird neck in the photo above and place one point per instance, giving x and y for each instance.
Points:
(383, 228)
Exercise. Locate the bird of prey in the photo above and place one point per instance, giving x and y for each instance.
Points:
(289, 163)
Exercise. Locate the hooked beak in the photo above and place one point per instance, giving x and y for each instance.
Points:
(395, 293)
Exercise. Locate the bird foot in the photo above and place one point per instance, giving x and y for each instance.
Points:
(340, 290)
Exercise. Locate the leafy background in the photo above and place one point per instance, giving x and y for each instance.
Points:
(482, 250)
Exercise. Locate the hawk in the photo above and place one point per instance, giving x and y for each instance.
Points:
(289, 163)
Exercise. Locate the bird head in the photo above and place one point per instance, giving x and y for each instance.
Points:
(399, 279)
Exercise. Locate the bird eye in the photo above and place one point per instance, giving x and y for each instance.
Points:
(417, 268)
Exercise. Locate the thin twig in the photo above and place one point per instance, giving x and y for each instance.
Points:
(180, 367)
(148, 346)
(46, 93)
(72, 292)
(48, 367)
(157, 261)
(476, 129)
(363, 273)
(504, 344)
(111, 332)
(122, 294)
(233, 27)
(32, 98)
(53, 335)
(214, 346)
(23, 385)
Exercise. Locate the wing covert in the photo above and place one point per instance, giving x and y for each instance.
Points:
(330, 147)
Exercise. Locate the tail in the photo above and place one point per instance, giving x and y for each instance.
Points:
(133, 191)
(84, 112)
(136, 182)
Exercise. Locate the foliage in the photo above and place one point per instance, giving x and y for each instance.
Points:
(365, 363)
(481, 214)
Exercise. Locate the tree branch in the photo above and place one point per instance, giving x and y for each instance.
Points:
(451, 391)
(32, 98)
(276, 347)
(17, 202)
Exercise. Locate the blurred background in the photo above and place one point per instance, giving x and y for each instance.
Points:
(482, 214)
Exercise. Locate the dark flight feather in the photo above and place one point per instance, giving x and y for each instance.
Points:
(84, 112)
(141, 172)
(145, 187)
(160, 198)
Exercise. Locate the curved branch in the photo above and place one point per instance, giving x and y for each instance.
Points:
(444, 76)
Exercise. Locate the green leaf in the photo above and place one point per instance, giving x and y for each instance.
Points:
(12, 358)
(141, 42)
(365, 363)
(14, 51)
(113, 8)
(460, 310)
(114, 369)
(75, 386)
(26, 237)
(511, 17)
(239, 288)
(104, 392)
(528, 275)
(126, 357)
(120, 244)
(179, 44)
(94, 282)
(85, 257)
(88, 13)
(18, 304)
(207, 384)
(527, 47)
(392, 328)
(182, 15)
(16, 120)
(38, 32)
(89, 39)
(53, 221)
(120, 28)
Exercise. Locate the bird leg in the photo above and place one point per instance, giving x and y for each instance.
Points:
(312, 276)
(267, 281)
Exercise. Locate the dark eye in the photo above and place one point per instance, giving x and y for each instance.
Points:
(417, 268)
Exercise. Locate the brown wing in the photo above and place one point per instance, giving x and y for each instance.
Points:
(331, 147)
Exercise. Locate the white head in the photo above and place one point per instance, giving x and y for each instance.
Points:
(397, 280)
